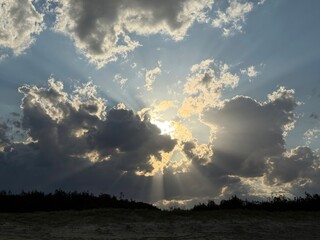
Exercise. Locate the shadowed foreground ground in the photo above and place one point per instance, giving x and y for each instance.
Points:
(146, 224)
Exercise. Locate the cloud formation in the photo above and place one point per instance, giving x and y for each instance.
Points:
(205, 85)
(297, 171)
(251, 72)
(74, 142)
(20, 22)
(246, 133)
(232, 19)
(102, 29)
(3, 135)
(298, 163)
(247, 153)
(151, 77)
(120, 80)
(72, 132)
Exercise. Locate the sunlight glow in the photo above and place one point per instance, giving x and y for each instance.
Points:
(165, 127)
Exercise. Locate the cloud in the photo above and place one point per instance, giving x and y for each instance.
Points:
(296, 171)
(205, 85)
(232, 19)
(74, 142)
(251, 72)
(247, 152)
(246, 133)
(3, 135)
(3, 57)
(311, 135)
(20, 23)
(131, 140)
(71, 132)
(102, 29)
(120, 80)
(151, 77)
(296, 163)
(200, 154)
(133, 65)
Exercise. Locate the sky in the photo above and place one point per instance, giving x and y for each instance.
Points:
(168, 102)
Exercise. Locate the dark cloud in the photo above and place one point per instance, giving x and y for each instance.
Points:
(249, 132)
(297, 170)
(300, 162)
(131, 140)
(200, 157)
(70, 133)
(3, 134)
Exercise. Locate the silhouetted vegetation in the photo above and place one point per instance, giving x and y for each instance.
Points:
(61, 200)
(211, 205)
(278, 203)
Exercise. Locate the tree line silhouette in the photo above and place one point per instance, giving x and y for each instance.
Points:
(60, 200)
(277, 203)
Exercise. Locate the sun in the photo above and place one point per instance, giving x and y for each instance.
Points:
(165, 127)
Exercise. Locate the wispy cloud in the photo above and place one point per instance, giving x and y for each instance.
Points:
(232, 19)
(151, 77)
(250, 71)
(120, 80)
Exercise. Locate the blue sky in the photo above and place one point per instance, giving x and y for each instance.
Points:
(236, 48)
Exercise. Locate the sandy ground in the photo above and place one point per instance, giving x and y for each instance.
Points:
(143, 224)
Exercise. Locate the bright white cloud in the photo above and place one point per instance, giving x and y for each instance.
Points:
(19, 23)
(204, 86)
(232, 19)
(101, 29)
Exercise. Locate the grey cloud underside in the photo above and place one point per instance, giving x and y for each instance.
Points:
(249, 133)
(301, 163)
(299, 167)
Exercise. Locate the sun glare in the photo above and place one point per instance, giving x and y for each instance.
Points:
(165, 127)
